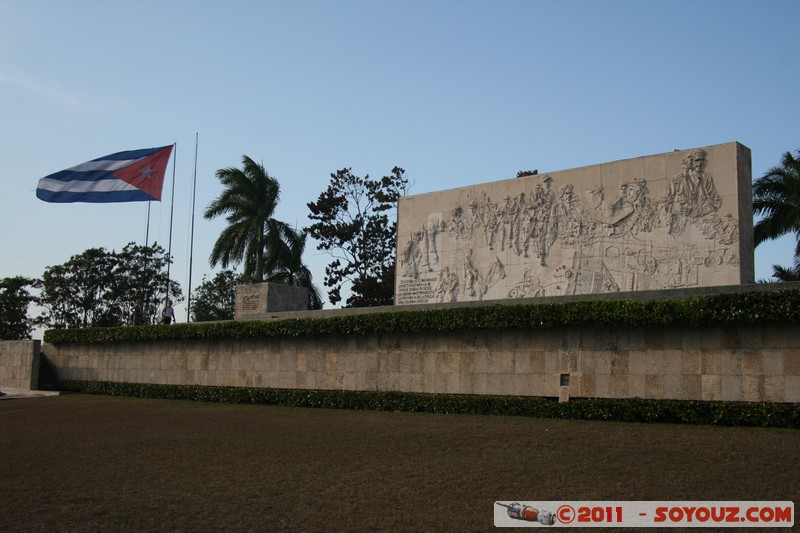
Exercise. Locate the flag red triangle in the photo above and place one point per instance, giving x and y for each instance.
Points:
(147, 174)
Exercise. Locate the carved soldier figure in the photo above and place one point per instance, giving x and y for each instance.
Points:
(473, 220)
(505, 223)
(446, 289)
(680, 198)
(517, 214)
(567, 213)
(412, 256)
(707, 200)
(431, 231)
(547, 233)
(490, 221)
(457, 222)
(636, 210)
(532, 223)
(470, 274)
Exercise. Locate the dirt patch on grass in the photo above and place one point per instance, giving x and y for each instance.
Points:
(81, 463)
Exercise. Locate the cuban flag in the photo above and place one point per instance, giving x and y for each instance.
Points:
(132, 176)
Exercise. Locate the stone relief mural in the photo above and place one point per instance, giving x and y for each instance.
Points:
(551, 235)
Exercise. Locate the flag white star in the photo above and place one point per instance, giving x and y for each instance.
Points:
(146, 172)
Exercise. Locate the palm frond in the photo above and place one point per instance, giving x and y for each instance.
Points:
(776, 198)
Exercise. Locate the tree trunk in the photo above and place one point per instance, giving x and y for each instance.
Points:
(259, 277)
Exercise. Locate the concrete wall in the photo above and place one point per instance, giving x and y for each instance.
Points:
(677, 220)
(755, 363)
(19, 364)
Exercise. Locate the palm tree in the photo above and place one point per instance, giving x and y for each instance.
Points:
(791, 273)
(253, 236)
(286, 266)
(776, 196)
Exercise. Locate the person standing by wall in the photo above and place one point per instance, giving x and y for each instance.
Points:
(138, 312)
(168, 314)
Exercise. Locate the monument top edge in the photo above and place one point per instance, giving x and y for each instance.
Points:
(541, 174)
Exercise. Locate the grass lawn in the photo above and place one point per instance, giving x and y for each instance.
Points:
(99, 463)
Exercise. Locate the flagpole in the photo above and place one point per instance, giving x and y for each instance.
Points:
(191, 234)
(146, 247)
(171, 212)
(147, 227)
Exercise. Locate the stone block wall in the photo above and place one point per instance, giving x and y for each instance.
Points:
(754, 363)
(19, 364)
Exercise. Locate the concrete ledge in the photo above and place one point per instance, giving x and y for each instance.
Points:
(11, 394)
(666, 294)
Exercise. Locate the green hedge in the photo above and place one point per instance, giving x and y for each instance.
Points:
(738, 308)
(763, 414)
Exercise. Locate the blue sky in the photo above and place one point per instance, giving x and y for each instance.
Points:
(456, 92)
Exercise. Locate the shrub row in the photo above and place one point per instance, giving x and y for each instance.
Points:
(752, 307)
(763, 414)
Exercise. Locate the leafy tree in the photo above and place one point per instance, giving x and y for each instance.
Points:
(14, 301)
(216, 298)
(776, 196)
(289, 269)
(370, 291)
(249, 199)
(140, 275)
(99, 288)
(75, 294)
(352, 224)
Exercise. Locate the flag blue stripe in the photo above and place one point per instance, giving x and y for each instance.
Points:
(93, 197)
(131, 154)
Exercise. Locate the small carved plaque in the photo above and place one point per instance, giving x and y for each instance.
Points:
(251, 302)
(413, 291)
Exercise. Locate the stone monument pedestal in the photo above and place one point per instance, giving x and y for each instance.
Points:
(257, 301)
